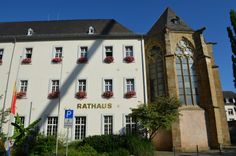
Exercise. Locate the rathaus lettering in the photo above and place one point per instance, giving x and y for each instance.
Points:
(94, 106)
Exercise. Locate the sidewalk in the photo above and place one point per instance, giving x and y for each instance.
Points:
(225, 152)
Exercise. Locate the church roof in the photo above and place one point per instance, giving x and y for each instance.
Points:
(61, 27)
(171, 21)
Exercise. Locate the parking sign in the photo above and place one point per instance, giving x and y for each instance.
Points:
(68, 121)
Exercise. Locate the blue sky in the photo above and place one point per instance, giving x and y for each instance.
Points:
(139, 16)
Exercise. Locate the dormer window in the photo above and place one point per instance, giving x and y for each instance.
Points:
(175, 20)
(30, 32)
(91, 30)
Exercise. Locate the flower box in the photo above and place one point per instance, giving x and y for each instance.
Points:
(129, 59)
(81, 94)
(109, 59)
(130, 94)
(20, 95)
(82, 60)
(53, 95)
(107, 94)
(26, 61)
(56, 60)
(0, 62)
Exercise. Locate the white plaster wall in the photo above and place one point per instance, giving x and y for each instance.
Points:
(41, 70)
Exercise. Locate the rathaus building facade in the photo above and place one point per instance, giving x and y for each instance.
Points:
(101, 70)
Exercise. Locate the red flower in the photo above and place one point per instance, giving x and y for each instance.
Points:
(107, 94)
(26, 61)
(129, 59)
(0, 62)
(108, 59)
(130, 94)
(56, 60)
(82, 60)
(81, 94)
(53, 95)
(20, 95)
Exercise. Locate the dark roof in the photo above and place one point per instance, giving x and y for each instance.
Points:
(64, 27)
(170, 20)
(229, 94)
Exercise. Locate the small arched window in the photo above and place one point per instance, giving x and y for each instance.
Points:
(30, 32)
(186, 73)
(91, 30)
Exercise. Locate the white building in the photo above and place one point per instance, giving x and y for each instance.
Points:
(94, 67)
(230, 105)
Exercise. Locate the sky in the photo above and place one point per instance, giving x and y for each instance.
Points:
(139, 16)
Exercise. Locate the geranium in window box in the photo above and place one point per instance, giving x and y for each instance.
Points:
(82, 60)
(130, 94)
(0, 62)
(129, 59)
(26, 61)
(107, 94)
(53, 95)
(56, 60)
(20, 95)
(109, 59)
(81, 94)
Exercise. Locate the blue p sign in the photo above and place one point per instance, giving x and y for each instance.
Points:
(69, 114)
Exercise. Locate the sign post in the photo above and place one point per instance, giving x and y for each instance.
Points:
(68, 122)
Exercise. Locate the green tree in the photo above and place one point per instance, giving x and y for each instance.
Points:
(24, 137)
(232, 38)
(160, 114)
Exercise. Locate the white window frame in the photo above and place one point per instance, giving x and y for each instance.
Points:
(82, 52)
(104, 51)
(23, 87)
(80, 124)
(110, 86)
(52, 85)
(84, 86)
(26, 52)
(130, 123)
(103, 123)
(91, 30)
(126, 87)
(125, 51)
(230, 111)
(52, 125)
(57, 54)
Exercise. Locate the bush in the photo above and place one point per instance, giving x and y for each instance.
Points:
(105, 143)
(139, 146)
(119, 152)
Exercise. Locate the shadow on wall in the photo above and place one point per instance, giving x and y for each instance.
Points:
(232, 131)
(73, 75)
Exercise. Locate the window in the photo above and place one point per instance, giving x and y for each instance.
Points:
(230, 111)
(186, 73)
(91, 30)
(108, 124)
(129, 51)
(108, 51)
(52, 126)
(28, 52)
(130, 125)
(55, 86)
(83, 52)
(58, 52)
(82, 85)
(23, 86)
(108, 85)
(129, 85)
(1, 55)
(80, 127)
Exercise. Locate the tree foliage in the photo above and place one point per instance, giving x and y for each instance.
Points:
(232, 37)
(160, 114)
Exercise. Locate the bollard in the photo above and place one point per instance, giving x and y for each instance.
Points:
(197, 150)
(174, 150)
(220, 149)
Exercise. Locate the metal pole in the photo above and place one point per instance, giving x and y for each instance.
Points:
(67, 141)
(174, 150)
(197, 150)
(30, 112)
(220, 149)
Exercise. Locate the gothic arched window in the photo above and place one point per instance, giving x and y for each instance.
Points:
(186, 74)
